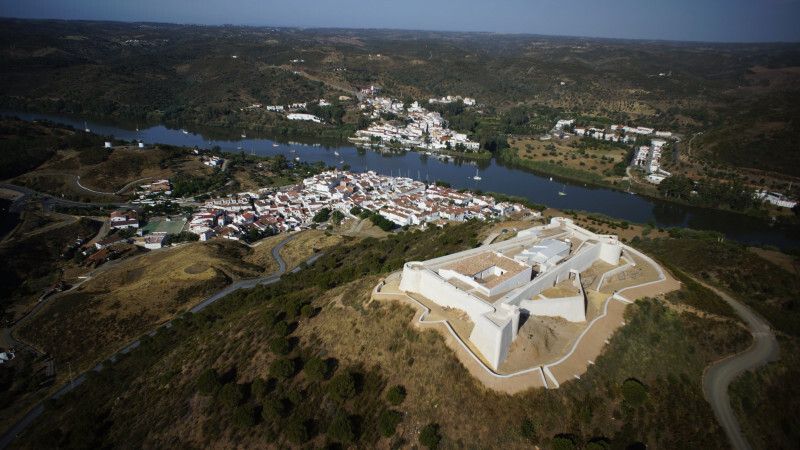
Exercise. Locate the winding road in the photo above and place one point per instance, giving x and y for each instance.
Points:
(48, 201)
(22, 424)
(719, 375)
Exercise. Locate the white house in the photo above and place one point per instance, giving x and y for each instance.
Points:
(303, 116)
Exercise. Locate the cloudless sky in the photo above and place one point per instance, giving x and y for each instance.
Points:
(684, 20)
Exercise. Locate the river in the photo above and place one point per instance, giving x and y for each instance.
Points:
(495, 177)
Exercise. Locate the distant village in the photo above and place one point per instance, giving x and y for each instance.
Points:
(401, 201)
(645, 157)
(415, 126)
(412, 127)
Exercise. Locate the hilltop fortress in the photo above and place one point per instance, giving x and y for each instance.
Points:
(536, 273)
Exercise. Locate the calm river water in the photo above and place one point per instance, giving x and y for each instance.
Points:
(495, 177)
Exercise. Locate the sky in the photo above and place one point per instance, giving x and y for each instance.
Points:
(681, 20)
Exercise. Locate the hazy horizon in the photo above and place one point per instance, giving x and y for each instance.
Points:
(719, 21)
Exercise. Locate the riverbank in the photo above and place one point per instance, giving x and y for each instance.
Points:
(563, 173)
(496, 176)
(481, 155)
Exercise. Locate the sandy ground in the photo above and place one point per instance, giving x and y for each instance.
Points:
(591, 344)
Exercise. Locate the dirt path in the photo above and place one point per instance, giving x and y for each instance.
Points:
(719, 375)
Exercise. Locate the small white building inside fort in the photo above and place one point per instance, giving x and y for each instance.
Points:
(536, 273)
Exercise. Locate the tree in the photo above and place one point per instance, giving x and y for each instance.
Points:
(341, 429)
(259, 388)
(208, 382)
(296, 429)
(280, 346)
(388, 420)
(315, 369)
(230, 395)
(396, 394)
(634, 392)
(281, 328)
(244, 416)
(274, 408)
(282, 368)
(676, 186)
(337, 216)
(429, 435)
(342, 386)
(322, 215)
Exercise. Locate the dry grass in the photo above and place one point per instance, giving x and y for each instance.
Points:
(261, 253)
(126, 299)
(306, 244)
(536, 150)
(780, 259)
(124, 165)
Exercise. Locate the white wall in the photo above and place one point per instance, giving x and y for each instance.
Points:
(507, 285)
(416, 278)
(570, 308)
(492, 340)
(579, 262)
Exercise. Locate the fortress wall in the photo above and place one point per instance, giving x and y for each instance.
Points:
(580, 262)
(427, 283)
(492, 340)
(570, 308)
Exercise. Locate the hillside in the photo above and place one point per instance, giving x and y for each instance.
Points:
(311, 362)
(161, 73)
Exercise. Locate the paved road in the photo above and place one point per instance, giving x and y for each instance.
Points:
(48, 201)
(719, 375)
(9, 435)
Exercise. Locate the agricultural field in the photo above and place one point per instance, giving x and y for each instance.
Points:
(581, 159)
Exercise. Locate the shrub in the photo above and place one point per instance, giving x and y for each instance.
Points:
(274, 408)
(341, 429)
(208, 382)
(429, 435)
(230, 395)
(387, 422)
(244, 416)
(633, 392)
(296, 429)
(307, 311)
(279, 346)
(342, 386)
(564, 442)
(281, 328)
(259, 388)
(396, 394)
(598, 443)
(282, 368)
(271, 317)
(315, 369)
(527, 430)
